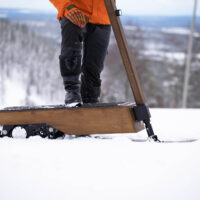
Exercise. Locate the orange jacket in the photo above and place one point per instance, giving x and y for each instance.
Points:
(94, 10)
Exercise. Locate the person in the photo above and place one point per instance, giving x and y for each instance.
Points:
(85, 30)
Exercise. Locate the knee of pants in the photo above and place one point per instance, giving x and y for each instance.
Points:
(70, 61)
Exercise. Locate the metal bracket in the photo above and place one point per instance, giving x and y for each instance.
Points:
(118, 12)
(142, 113)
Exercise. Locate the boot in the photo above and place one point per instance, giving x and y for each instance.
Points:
(73, 98)
(90, 92)
(72, 88)
(87, 99)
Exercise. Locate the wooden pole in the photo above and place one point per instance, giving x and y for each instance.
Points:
(125, 52)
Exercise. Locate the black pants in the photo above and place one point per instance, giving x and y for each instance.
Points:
(83, 51)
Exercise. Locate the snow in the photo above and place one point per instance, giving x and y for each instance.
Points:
(160, 55)
(25, 11)
(198, 55)
(179, 30)
(88, 168)
(130, 28)
(17, 93)
(72, 105)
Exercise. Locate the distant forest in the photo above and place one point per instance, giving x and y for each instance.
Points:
(32, 59)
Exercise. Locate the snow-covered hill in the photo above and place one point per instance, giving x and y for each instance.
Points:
(30, 48)
(115, 169)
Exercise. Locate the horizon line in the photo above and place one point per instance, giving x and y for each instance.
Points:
(51, 11)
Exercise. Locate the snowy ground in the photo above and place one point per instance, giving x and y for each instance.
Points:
(118, 169)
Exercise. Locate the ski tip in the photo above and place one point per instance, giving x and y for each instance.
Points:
(179, 141)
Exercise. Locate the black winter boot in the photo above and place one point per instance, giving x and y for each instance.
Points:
(73, 98)
(72, 88)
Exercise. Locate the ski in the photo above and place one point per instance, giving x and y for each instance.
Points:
(145, 140)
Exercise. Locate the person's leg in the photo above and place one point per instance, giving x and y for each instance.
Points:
(70, 60)
(96, 40)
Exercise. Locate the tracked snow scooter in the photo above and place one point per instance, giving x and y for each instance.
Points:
(56, 121)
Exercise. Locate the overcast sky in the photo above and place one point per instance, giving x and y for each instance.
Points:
(134, 7)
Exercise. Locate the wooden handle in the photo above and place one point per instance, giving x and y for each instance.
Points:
(125, 52)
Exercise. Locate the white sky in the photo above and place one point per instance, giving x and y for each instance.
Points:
(134, 7)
